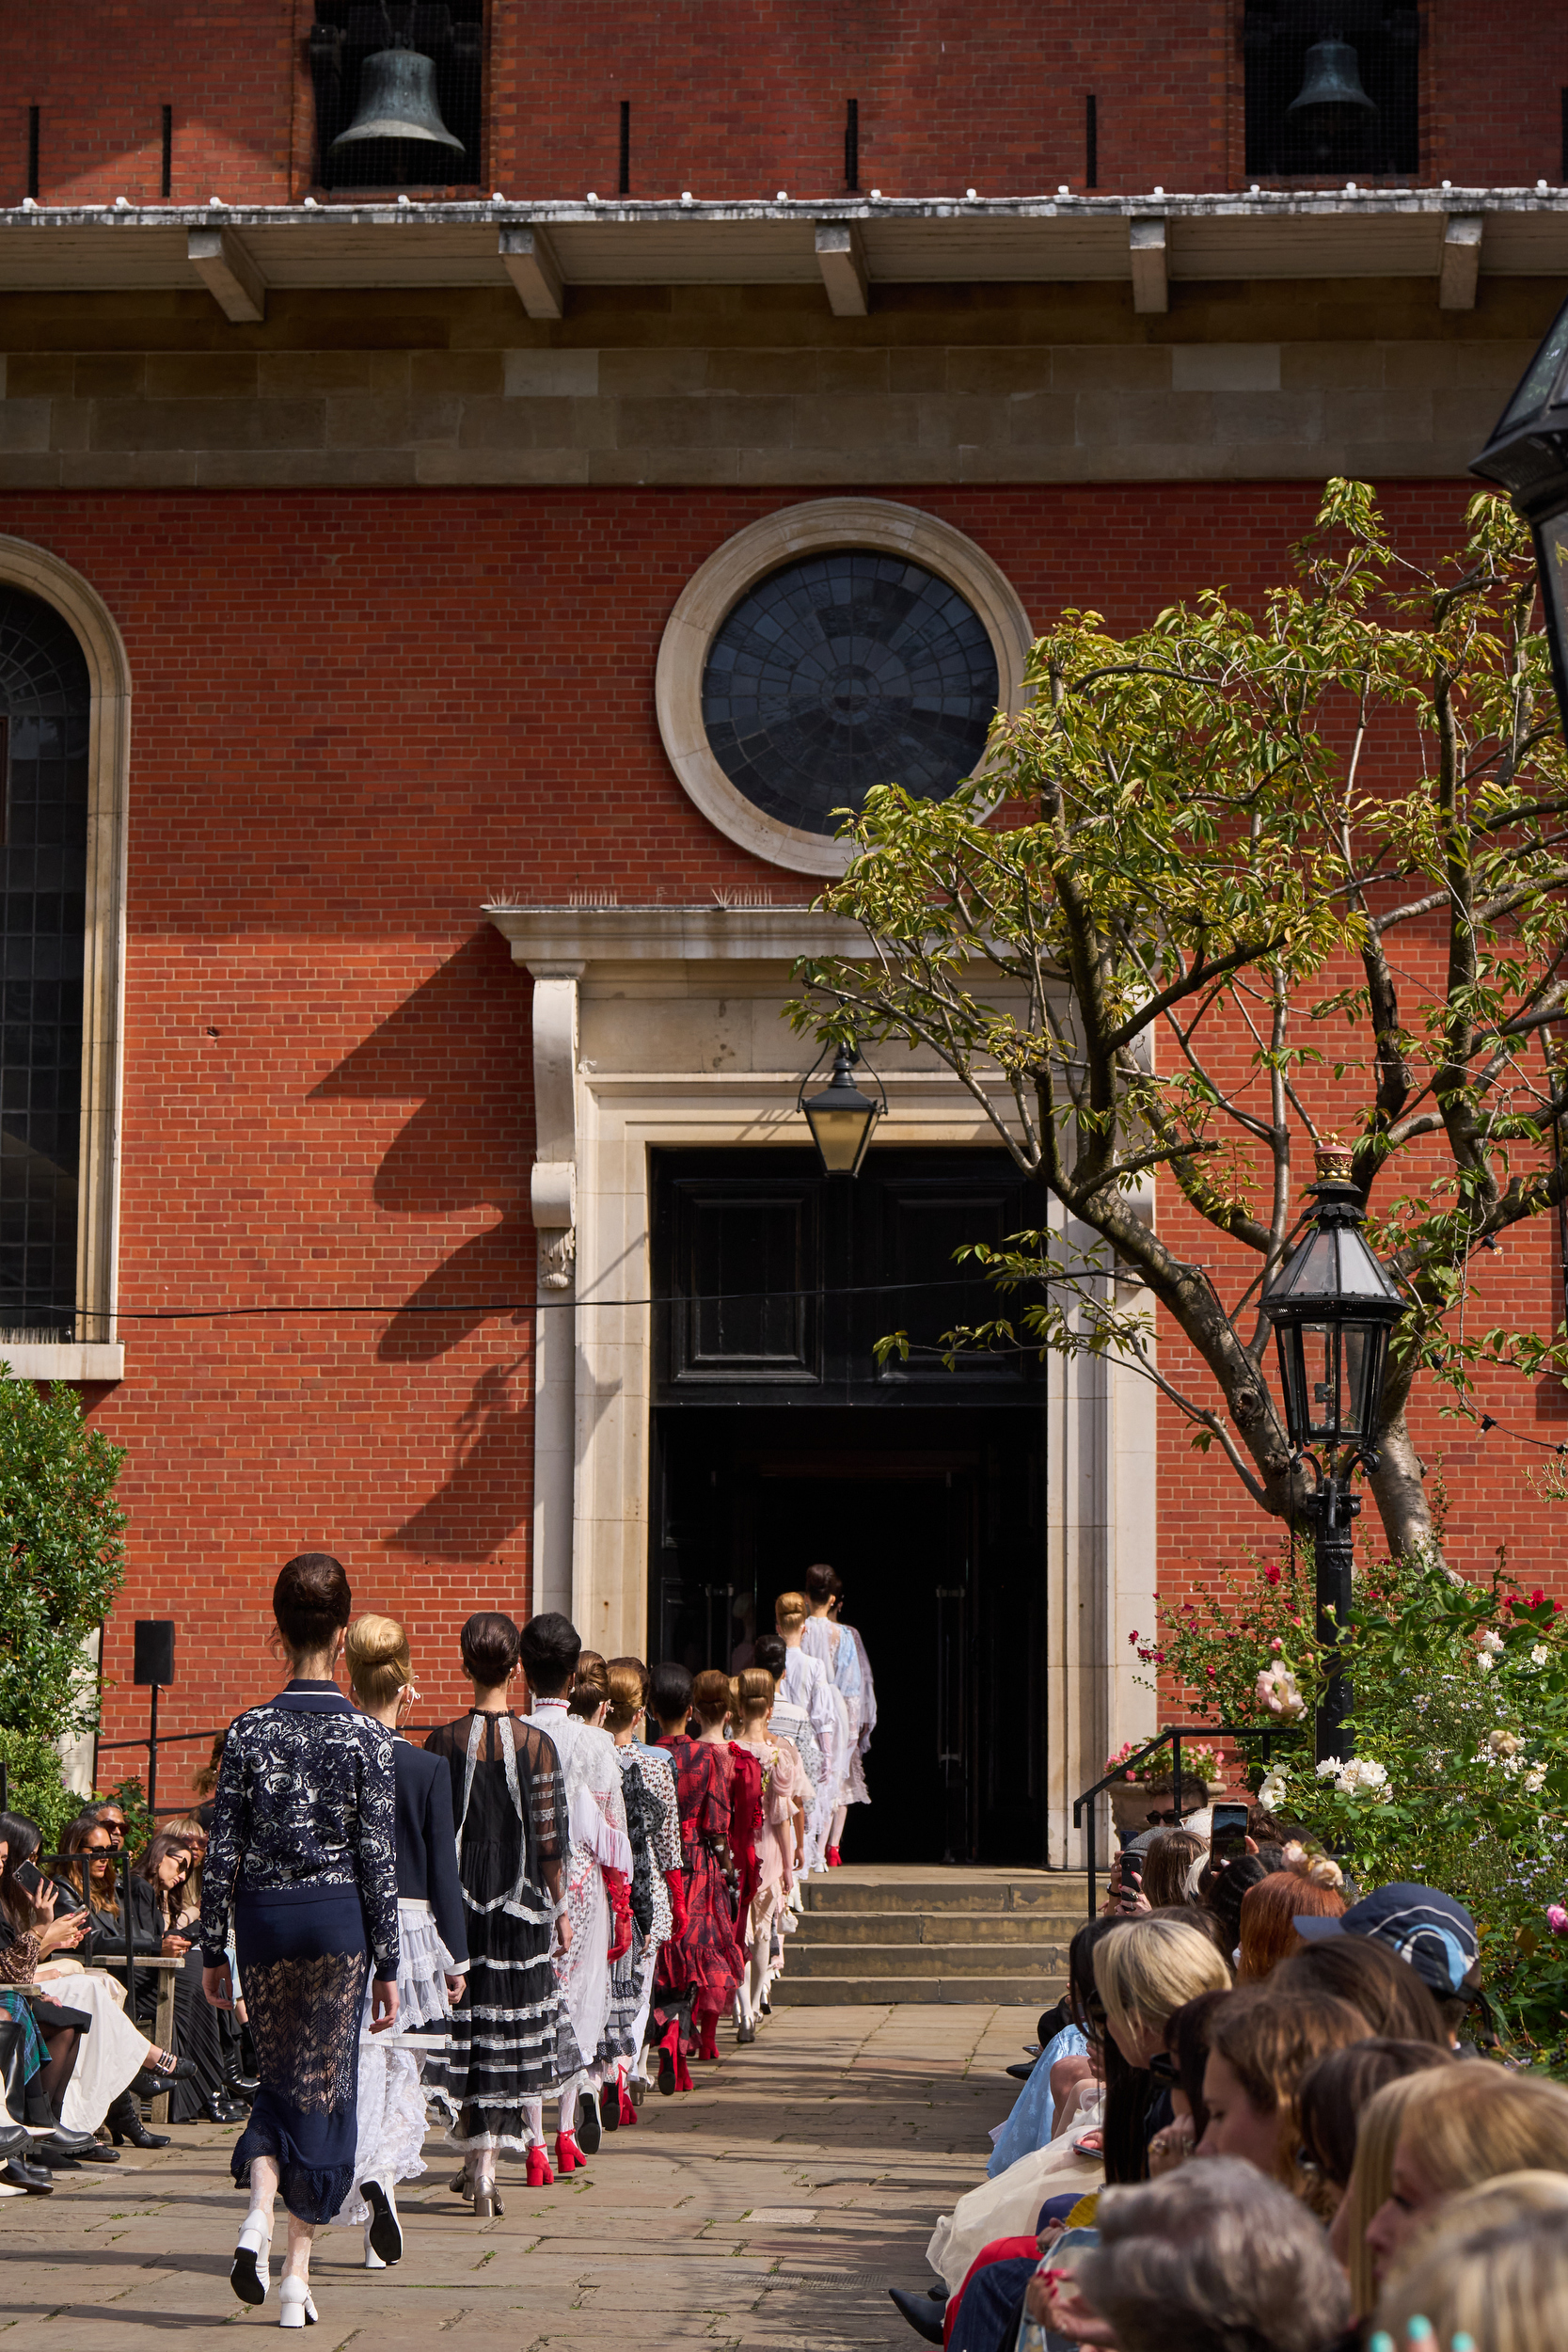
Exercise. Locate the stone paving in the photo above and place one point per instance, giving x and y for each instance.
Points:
(771, 2207)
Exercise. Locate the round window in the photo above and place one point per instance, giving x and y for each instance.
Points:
(841, 671)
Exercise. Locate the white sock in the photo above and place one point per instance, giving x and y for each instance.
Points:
(534, 2121)
(569, 2104)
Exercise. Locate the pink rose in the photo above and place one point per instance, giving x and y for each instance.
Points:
(1557, 1919)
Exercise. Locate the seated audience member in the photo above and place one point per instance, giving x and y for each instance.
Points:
(1392, 1998)
(1214, 2259)
(1143, 1973)
(1170, 1865)
(1224, 1888)
(1460, 2126)
(1260, 2044)
(1337, 2087)
(1270, 1909)
(1425, 1926)
(1067, 2061)
(1186, 2056)
(1493, 2268)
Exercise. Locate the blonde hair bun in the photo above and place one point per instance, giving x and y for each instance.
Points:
(379, 1665)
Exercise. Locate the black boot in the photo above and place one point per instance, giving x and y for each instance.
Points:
(124, 2121)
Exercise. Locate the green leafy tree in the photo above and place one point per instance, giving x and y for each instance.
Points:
(1197, 934)
(61, 1562)
(1459, 1775)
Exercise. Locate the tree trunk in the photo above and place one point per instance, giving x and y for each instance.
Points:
(1399, 1489)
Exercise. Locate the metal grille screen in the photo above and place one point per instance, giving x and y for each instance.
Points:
(44, 703)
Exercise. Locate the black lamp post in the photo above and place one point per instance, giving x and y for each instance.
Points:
(841, 1117)
(1333, 1306)
(1527, 455)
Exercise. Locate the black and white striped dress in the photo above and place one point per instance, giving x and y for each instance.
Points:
(510, 1807)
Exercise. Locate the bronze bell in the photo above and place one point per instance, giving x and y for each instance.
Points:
(396, 100)
(1333, 77)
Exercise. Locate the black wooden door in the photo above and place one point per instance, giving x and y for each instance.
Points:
(779, 1439)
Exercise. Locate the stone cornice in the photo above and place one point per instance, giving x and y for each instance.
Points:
(546, 939)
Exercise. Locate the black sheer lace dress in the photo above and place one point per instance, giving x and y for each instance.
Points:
(510, 1807)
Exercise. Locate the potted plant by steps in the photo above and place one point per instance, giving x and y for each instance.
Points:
(1146, 1786)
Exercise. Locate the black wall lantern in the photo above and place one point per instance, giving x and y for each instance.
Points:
(1528, 455)
(1333, 1306)
(841, 1117)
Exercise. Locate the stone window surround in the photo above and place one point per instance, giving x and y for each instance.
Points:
(596, 1125)
(102, 1356)
(815, 526)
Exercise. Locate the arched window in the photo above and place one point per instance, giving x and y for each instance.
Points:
(45, 713)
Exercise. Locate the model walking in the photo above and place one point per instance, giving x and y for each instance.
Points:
(780, 1839)
(842, 1655)
(654, 1827)
(302, 1862)
(599, 1876)
(704, 1777)
(512, 1840)
(807, 1683)
(395, 2080)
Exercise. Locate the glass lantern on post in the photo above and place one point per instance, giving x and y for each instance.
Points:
(841, 1117)
(1333, 1306)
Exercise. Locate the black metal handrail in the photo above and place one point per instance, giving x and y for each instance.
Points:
(1172, 1737)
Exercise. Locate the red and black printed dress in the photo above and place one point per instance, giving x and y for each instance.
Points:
(706, 1944)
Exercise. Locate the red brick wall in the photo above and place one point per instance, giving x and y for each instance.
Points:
(744, 100)
(356, 716)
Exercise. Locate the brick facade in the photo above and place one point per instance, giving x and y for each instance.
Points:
(391, 563)
(745, 102)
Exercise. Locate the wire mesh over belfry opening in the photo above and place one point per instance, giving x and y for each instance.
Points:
(1333, 90)
(346, 36)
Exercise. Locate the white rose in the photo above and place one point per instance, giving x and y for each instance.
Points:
(1540, 1654)
(1535, 1782)
(1273, 1791)
(1492, 1642)
(1485, 1661)
(1330, 1769)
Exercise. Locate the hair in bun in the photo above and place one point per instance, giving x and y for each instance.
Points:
(590, 1684)
(379, 1665)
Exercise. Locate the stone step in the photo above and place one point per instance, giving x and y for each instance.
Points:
(836, 1926)
(1031, 1993)
(958, 1889)
(806, 1958)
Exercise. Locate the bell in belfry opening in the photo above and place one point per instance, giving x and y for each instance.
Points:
(396, 100)
(1332, 78)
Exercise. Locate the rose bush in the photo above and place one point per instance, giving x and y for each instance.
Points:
(1460, 1721)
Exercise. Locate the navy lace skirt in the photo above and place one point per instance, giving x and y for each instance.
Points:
(303, 1956)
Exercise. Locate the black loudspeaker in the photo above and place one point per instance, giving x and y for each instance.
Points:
(154, 1656)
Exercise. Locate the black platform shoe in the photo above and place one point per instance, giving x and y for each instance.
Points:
(609, 2108)
(590, 2138)
(124, 2121)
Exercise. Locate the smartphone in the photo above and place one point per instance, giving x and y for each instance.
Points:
(29, 1879)
(1227, 1833)
(1132, 1872)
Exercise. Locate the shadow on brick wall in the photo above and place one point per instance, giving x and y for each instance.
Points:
(461, 1042)
(490, 1492)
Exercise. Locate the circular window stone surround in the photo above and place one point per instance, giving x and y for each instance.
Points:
(817, 527)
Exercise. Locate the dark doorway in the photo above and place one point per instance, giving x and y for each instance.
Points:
(778, 1440)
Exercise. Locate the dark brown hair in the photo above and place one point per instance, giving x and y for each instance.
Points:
(207, 1779)
(710, 1696)
(1269, 2038)
(76, 1841)
(311, 1601)
(1187, 2031)
(1168, 1862)
(1390, 1995)
(550, 1647)
(157, 1849)
(821, 1583)
(1337, 2087)
(490, 1646)
(590, 1685)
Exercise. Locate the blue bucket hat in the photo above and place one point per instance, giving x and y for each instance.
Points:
(1425, 1926)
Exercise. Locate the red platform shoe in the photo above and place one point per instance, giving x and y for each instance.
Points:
(539, 2173)
(834, 1858)
(708, 2045)
(568, 2156)
(628, 2113)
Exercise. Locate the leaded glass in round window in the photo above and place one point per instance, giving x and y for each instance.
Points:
(842, 671)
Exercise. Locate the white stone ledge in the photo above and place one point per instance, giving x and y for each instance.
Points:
(64, 1359)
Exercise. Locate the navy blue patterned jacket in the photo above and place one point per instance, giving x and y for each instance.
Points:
(305, 1795)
